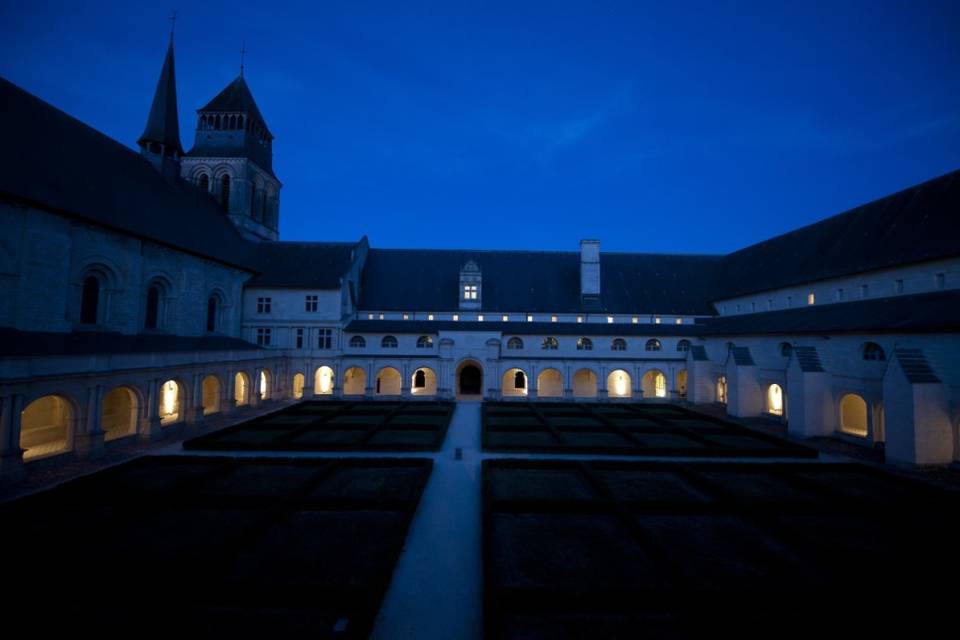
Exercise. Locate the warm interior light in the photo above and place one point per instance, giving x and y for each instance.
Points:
(775, 400)
(263, 385)
(456, 317)
(609, 319)
(505, 318)
(529, 318)
(620, 385)
(168, 398)
(429, 316)
(325, 379)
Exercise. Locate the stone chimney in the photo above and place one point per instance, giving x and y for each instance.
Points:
(590, 273)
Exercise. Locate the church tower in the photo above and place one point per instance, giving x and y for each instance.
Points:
(232, 159)
(160, 142)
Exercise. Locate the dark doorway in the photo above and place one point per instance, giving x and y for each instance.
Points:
(470, 380)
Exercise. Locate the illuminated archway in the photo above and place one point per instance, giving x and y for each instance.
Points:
(171, 399)
(388, 382)
(682, 383)
(241, 388)
(354, 382)
(584, 384)
(323, 381)
(775, 400)
(211, 395)
(619, 384)
(423, 382)
(550, 384)
(722, 389)
(263, 386)
(514, 383)
(654, 384)
(853, 415)
(119, 415)
(298, 382)
(45, 426)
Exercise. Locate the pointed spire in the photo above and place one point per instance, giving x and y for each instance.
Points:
(163, 125)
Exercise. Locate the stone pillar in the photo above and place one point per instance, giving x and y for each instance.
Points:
(254, 395)
(89, 435)
(11, 456)
(567, 382)
(310, 381)
(150, 423)
(228, 401)
(194, 412)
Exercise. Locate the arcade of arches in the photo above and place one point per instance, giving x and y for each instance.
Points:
(45, 427)
(119, 417)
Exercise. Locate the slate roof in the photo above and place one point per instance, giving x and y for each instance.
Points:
(538, 281)
(699, 353)
(808, 359)
(913, 225)
(236, 97)
(928, 312)
(742, 356)
(302, 265)
(14, 343)
(915, 366)
(428, 327)
(60, 164)
(163, 124)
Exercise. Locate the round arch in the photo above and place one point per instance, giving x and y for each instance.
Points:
(323, 379)
(172, 401)
(46, 427)
(469, 378)
(776, 400)
(299, 380)
(118, 417)
(654, 384)
(241, 388)
(854, 418)
(423, 382)
(619, 384)
(682, 383)
(388, 382)
(264, 382)
(211, 394)
(514, 383)
(722, 389)
(354, 382)
(550, 384)
(585, 384)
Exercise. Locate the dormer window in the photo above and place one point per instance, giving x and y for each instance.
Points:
(469, 292)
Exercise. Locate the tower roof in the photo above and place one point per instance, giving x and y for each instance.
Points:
(236, 98)
(163, 125)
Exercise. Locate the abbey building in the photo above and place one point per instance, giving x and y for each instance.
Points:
(142, 291)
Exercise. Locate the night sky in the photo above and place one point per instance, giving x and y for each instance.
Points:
(657, 127)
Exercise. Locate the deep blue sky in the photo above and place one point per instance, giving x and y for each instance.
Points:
(666, 127)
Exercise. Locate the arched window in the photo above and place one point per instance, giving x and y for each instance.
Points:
(514, 343)
(618, 344)
(90, 300)
(357, 342)
(152, 319)
(722, 389)
(785, 349)
(584, 344)
(683, 346)
(388, 342)
(550, 343)
(424, 342)
(225, 192)
(873, 351)
(204, 182)
(775, 400)
(420, 379)
(519, 380)
(212, 314)
(653, 345)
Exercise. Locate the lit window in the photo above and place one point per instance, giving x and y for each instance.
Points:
(429, 316)
(388, 342)
(679, 320)
(505, 318)
(263, 336)
(263, 305)
(618, 344)
(480, 318)
(312, 303)
(609, 319)
(579, 318)
(584, 344)
(529, 318)
(369, 316)
(381, 316)
(469, 292)
(325, 339)
(553, 318)
(406, 316)
(635, 320)
(299, 338)
(550, 343)
(456, 317)
(811, 298)
(940, 280)
(775, 400)
(898, 286)
(424, 342)
(514, 343)
(657, 319)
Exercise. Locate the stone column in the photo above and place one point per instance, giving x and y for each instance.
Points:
(89, 439)
(194, 412)
(254, 395)
(228, 399)
(11, 456)
(567, 382)
(150, 423)
(369, 390)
